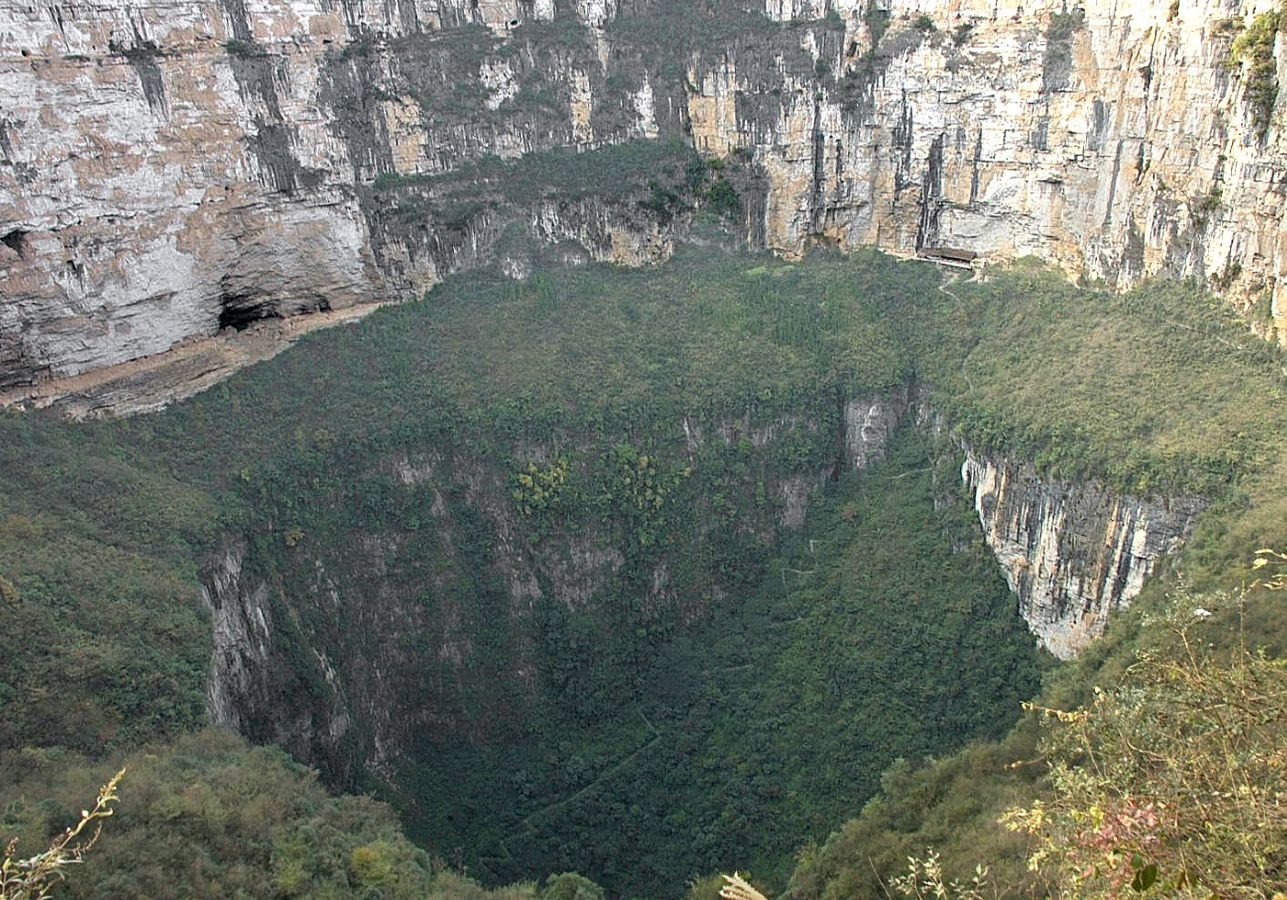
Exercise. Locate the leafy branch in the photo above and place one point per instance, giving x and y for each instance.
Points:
(35, 877)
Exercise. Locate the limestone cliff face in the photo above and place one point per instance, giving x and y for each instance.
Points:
(248, 674)
(170, 170)
(1112, 138)
(242, 633)
(437, 618)
(1072, 553)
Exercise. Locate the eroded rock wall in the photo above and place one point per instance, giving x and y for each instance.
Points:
(348, 635)
(167, 170)
(1072, 552)
(1114, 139)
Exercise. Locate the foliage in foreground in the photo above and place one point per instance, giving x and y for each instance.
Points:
(35, 877)
(209, 816)
(1175, 782)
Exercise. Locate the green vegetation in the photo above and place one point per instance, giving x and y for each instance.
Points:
(537, 489)
(877, 21)
(1172, 781)
(1064, 24)
(562, 173)
(209, 816)
(1254, 47)
(108, 644)
(1155, 391)
(725, 688)
(659, 179)
(1056, 63)
(246, 49)
(722, 199)
(1166, 780)
(669, 33)
(766, 723)
(104, 522)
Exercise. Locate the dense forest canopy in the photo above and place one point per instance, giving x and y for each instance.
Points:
(816, 636)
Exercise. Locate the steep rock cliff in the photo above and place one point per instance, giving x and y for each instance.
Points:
(1115, 140)
(448, 614)
(167, 171)
(1072, 552)
(248, 673)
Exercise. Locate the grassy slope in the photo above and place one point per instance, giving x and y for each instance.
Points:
(1158, 391)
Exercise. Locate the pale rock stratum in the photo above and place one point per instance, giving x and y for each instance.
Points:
(169, 170)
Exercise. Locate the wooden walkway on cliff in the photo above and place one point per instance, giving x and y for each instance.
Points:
(948, 256)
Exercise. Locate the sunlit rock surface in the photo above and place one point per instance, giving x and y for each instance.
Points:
(171, 170)
(1072, 552)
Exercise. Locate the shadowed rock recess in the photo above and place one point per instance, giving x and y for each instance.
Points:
(170, 170)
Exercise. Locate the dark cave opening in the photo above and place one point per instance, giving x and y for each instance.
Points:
(239, 311)
(16, 240)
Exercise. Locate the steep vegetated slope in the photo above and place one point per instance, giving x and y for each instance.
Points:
(767, 722)
(615, 547)
(169, 171)
(1089, 383)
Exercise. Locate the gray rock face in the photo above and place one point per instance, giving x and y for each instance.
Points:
(248, 675)
(243, 634)
(869, 425)
(1072, 552)
(170, 170)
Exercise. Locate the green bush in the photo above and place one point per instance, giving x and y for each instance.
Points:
(1254, 49)
(1174, 779)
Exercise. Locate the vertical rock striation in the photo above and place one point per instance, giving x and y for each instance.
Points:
(1072, 552)
(243, 634)
(249, 676)
(348, 648)
(171, 170)
(1114, 139)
